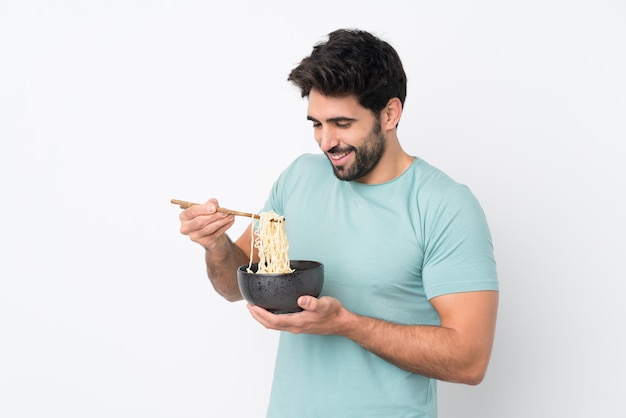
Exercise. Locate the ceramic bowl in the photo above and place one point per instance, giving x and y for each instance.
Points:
(279, 292)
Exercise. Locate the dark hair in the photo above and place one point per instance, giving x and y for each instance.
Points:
(353, 62)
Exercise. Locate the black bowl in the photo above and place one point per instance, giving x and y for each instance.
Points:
(279, 292)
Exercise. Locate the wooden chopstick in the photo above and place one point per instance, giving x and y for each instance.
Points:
(184, 205)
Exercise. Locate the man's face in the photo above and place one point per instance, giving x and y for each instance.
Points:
(347, 133)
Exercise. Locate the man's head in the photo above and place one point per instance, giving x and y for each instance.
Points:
(353, 62)
(356, 88)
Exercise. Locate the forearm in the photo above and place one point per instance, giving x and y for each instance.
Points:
(431, 351)
(222, 262)
(456, 351)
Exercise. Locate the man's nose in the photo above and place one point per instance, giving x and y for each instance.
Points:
(327, 138)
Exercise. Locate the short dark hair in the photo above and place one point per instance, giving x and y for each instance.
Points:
(355, 62)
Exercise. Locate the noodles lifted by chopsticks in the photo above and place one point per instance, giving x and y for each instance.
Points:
(271, 243)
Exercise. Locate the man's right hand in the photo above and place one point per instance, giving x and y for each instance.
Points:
(206, 226)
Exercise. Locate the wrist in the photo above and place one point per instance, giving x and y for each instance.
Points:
(349, 324)
(218, 244)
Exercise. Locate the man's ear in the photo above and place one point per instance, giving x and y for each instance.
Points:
(391, 114)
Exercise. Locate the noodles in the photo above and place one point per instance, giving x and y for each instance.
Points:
(271, 243)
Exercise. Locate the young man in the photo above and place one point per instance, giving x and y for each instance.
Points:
(410, 293)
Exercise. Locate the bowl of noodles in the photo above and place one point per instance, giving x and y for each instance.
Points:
(279, 292)
(275, 282)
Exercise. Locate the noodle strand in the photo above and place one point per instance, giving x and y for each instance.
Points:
(271, 243)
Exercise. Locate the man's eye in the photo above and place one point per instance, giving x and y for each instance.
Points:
(343, 125)
(317, 125)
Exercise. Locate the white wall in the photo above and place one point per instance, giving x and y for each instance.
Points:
(110, 109)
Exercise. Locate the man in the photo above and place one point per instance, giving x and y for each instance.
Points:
(411, 292)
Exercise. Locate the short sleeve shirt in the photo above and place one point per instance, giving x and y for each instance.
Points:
(387, 249)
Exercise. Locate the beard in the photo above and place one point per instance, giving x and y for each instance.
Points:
(366, 156)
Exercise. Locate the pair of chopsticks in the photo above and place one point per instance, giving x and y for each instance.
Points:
(184, 205)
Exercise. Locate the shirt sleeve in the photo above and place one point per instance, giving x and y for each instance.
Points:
(459, 251)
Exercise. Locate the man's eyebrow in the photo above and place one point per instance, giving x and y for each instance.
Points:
(333, 120)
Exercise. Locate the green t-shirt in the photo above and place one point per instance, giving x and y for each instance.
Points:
(387, 249)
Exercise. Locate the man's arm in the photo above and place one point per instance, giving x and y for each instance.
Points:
(222, 262)
(456, 351)
(207, 227)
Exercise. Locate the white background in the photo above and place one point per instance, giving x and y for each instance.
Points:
(108, 109)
